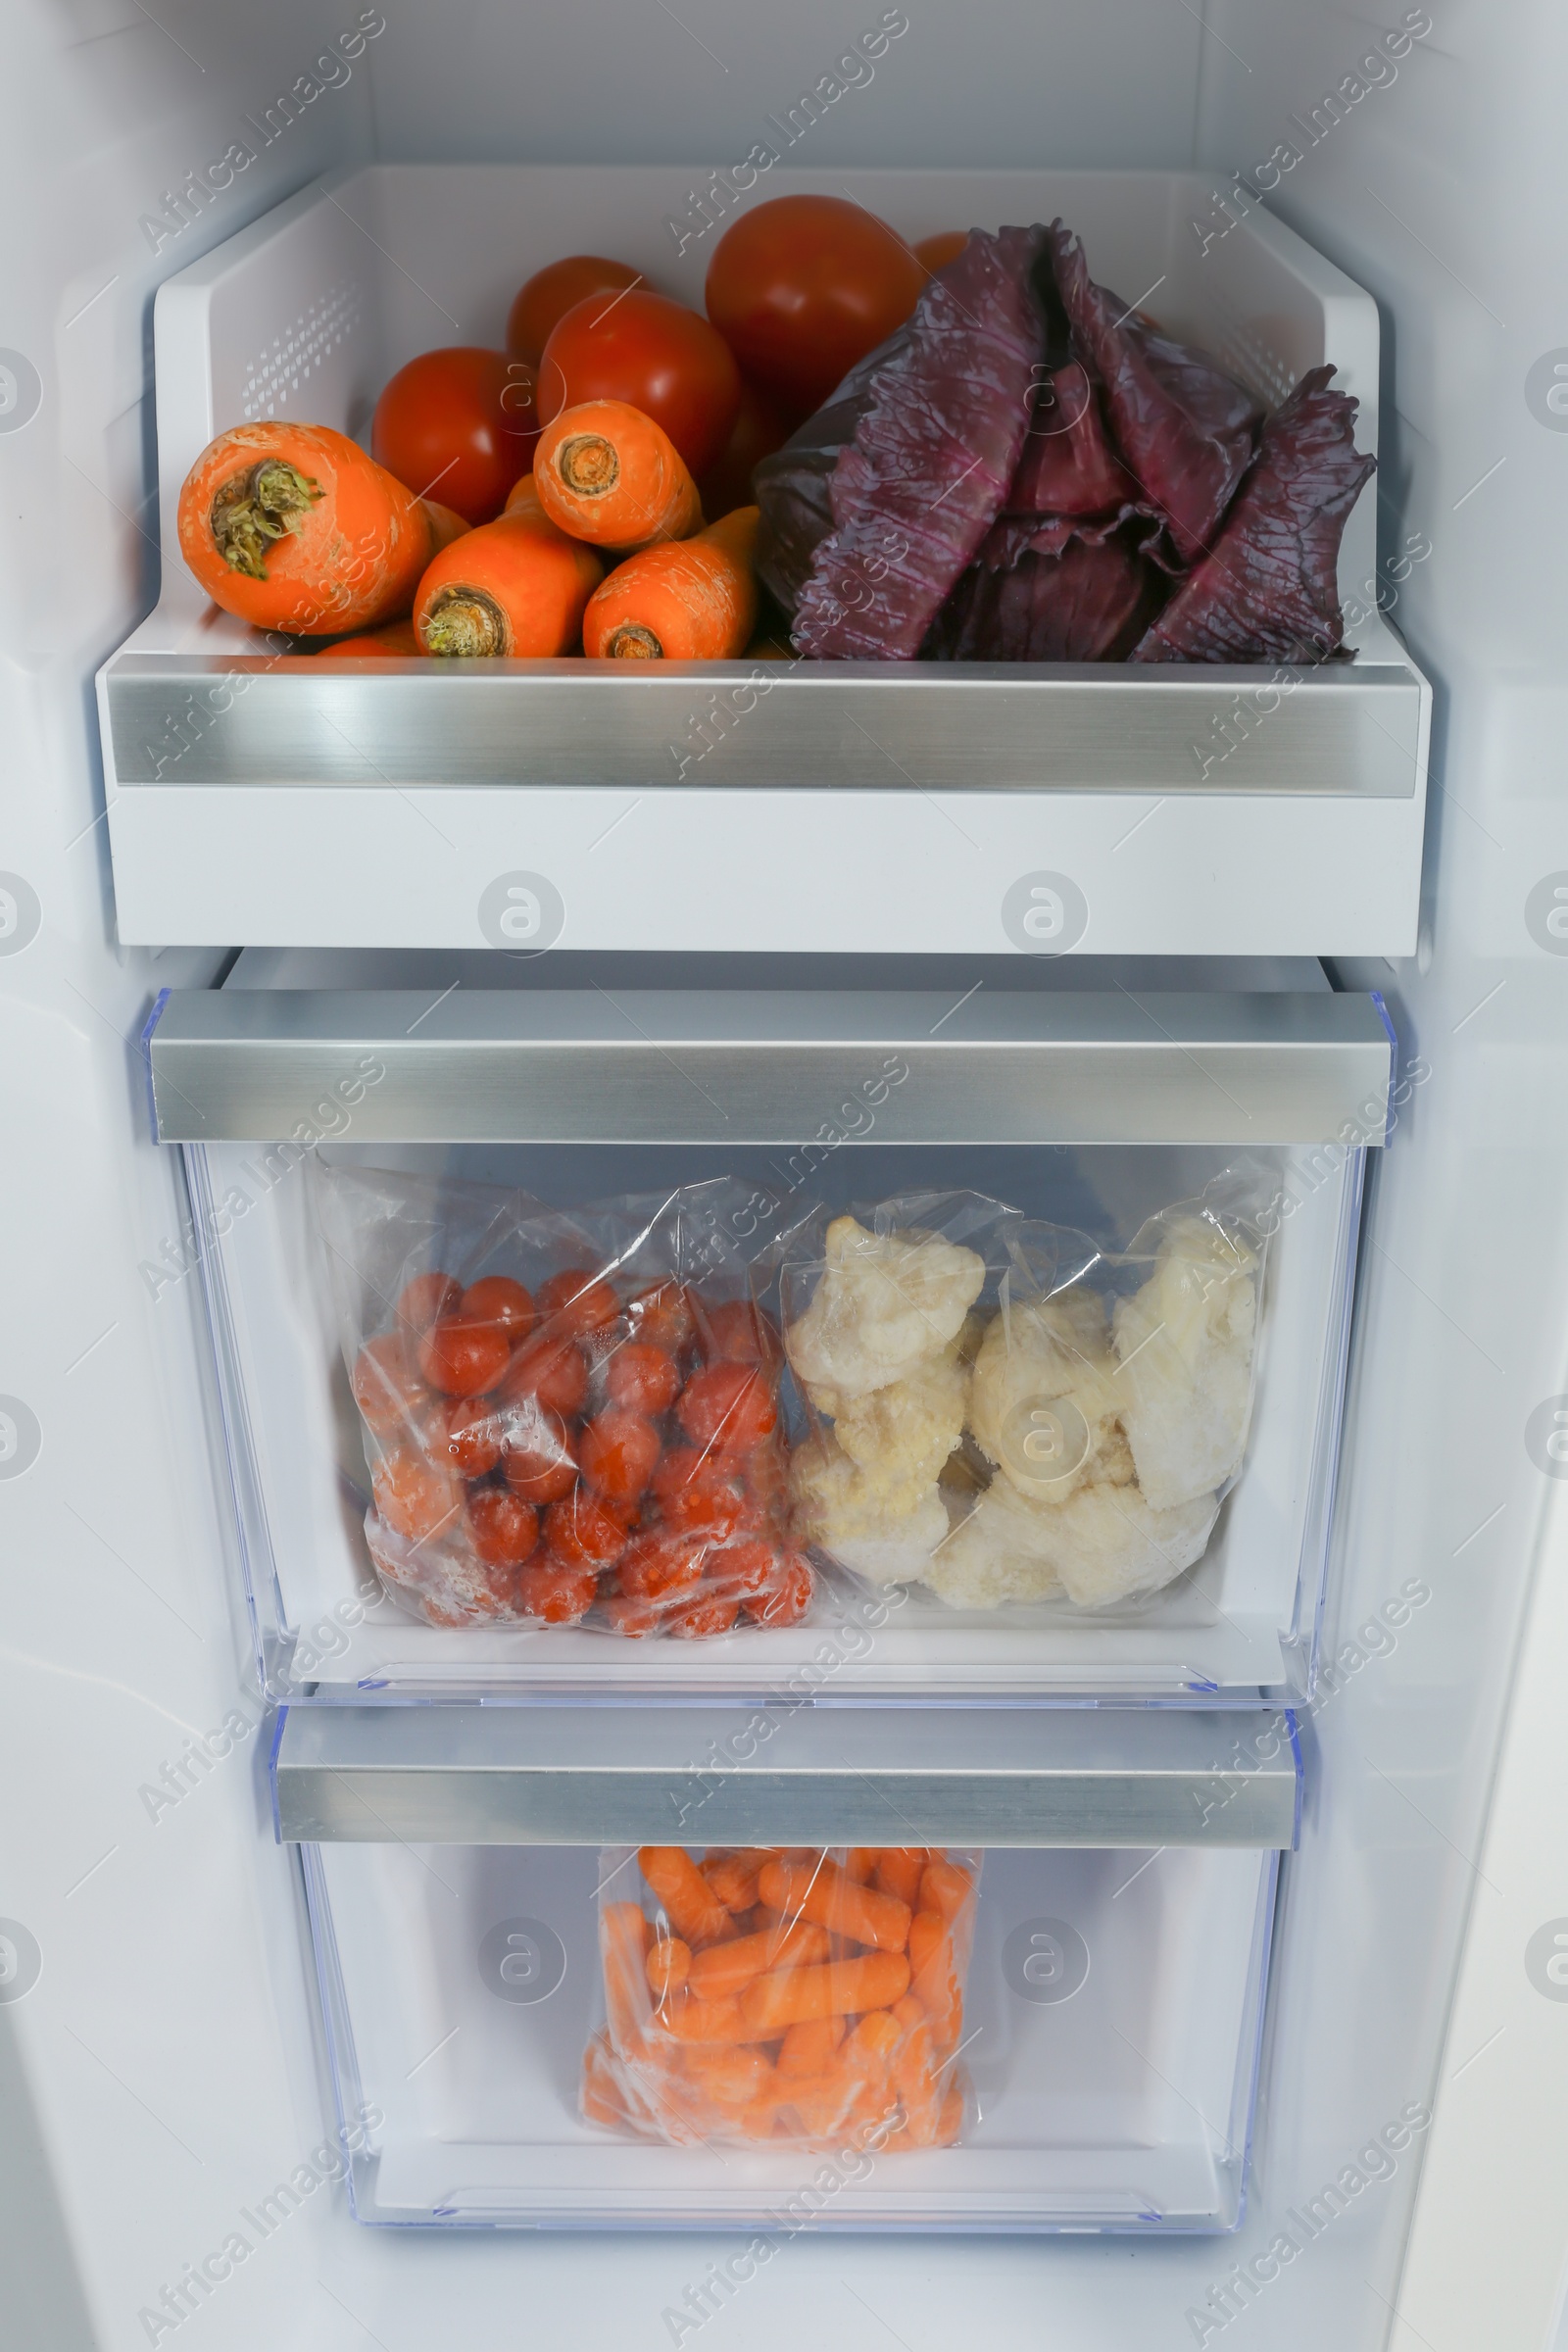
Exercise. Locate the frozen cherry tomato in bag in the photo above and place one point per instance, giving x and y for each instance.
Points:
(663, 1316)
(739, 1332)
(575, 1302)
(427, 1296)
(656, 354)
(462, 1357)
(386, 1385)
(728, 1406)
(617, 1451)
(458, 425)
(548, 1588)
(537, 1456)
(802, 288)
(495, 1298)
(745, 1570)
(641, 1376)
(582, 1534)
(788, 1596)
(700, 1619)
(553, 291)
(656, 1565)
(693, 1492)
(471, 1439)
(416, 1498)
(551, 1370)
(502, 1528)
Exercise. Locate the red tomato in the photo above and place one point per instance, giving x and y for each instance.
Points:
(538, 1458)
(551, 1370)
(635, 1619)
(559, 1594)
(387, 1389)
(497, 1299)
(663, 1316)
(761, 426)
(747, 1570)
(658, 1564)
(581, 1532)
(644, 1377)
(741, 1332)
(576, 1301)
(415, 1498)
(935, 253)
(425, 1297)
(697, 1620)
(663, 358)
(553, 291)
(462, 1357)
(693, 1493)
(789, 1597)
(803, 287)
(728, 1406)
(459, 426)
(617, 1451)
(471, 1439)
(502, 1528)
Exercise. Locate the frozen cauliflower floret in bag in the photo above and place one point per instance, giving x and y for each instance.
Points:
(1103, 1544)
(886, 1303)
(1185, 1375)
(1004, 1550)
(884, 1529)
(1044, 1405)
(904, 1432)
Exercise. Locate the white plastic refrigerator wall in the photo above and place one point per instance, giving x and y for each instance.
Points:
(158, 2038)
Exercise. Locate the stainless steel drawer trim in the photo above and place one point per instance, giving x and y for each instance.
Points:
(829, 1776)
(577, 1066)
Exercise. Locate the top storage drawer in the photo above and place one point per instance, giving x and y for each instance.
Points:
(973, 807)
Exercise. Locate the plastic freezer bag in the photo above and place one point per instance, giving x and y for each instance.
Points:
(788, 1995)
(565, 1417)
(1006, 1411)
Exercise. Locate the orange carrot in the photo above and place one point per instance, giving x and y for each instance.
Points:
(860, 1863)
(693, 602)
(899, 1869)
(396, 643)
(733, 1880)
(723, 1968)
(732, 2078)
(694, 1914)
(934, 1978)
(515, 588)
(823, 1893)
(608, 474)
(623, 1943)
(292, 526)
(808, 2048)
(873, 2044)
(712, 2022)
(668, 1964)
(789, 1996)
(945, 1888)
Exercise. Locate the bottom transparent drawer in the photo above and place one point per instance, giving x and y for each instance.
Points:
(1111, 2028)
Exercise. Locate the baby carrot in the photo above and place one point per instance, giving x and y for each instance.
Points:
(712, 2022)
(723, 1968)
(733, 1880)
(788, 1996)
(808, 2048)
(823, 1893)
(668, 1964)
(898, 1874)
(875, 2041)
(934, 1976)
(945, 1888)
(732, 2078)
(292, 526)
(623, 1943)
(861, 1863)
(396, 643)
(513, 588)
(692, 601)
(695, 1912)
(608, 474)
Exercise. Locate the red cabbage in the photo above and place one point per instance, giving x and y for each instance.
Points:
(1269, 590)
(1087, 598)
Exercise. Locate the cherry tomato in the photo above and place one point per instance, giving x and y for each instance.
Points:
(469, 1435)
(663, 1316)
(747, 1570)
(415, 1498)
(551, 1370)
(561, 1595)
(761, 426)
(576, 1301)
(425, 1297)
(693, 1493)
(635, 1619)
(387, 1389)
(462, 1357)
(935, 253)
(553, 291)
(803, 287)
(617, 1451)
(497, 1299)
(728, 1406)
(658, 1564)
(502, 1528)
(697, 1620)
(788, 1598)
(644, 1377)
(538, 1458)
(663, 358)
(740, 1331)
(584, 1535)
(459, 426)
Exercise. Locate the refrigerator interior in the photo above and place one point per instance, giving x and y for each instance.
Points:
(158, 2013)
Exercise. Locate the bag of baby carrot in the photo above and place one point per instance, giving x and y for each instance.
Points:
(793, 1996)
